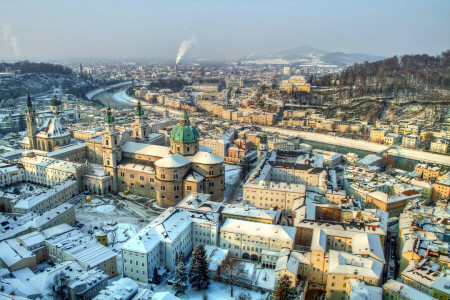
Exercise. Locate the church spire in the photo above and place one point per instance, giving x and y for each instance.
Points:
(29, 104)
(109, 118)
(139, 112)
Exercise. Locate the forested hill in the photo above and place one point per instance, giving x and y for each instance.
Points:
(41, 68)
(408, 75)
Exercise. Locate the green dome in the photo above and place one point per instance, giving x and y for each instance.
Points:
(184, 134)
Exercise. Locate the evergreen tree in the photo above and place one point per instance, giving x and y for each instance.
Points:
(156, 279)
(181, 257)
(180, 281)
(198, 273)
(284, 290)
(177, 257)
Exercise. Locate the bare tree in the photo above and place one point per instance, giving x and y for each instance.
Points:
(232, 269)
(60, 287)
(113, 237)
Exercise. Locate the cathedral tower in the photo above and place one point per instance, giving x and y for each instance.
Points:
(112, 153)
(140, 127)
(31, 123)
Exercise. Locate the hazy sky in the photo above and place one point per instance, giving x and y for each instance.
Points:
(223, 29)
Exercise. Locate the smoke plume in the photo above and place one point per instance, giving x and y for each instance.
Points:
(185, 46)
(250, 55)
(9, 37)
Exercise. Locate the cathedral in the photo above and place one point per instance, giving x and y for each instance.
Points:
(51, 134)
(113, 164)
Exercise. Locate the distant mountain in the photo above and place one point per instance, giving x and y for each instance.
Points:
(306, 52)
(299, 53)
(345, 59)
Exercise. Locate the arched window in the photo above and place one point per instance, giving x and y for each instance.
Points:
(106, 142)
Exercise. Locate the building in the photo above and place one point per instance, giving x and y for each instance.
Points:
(395, 290)
(174, 231)
(247, 240)
(64, 243)
(393, 205)
(126, 289)
(51, 134)
(248, 213)
(427, 172)
(49, 199)
(295, 84)
(410, 141)
(267, 194)
(377, 135)
(440, 146)
(441, 188)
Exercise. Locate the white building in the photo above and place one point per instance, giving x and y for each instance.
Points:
(410, 141)
(174, 231)
(247, 240)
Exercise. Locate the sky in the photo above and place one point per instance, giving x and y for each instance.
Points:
(224, 30)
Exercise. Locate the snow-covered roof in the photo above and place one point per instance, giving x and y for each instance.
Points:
(172, 161)
(146, 149)
(206, 158)
(12, 252)
(405, 291)
(271, 231)
(52, 129)
(346, 263)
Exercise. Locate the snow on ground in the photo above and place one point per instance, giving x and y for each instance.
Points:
(27, 188)
(265, 278)
(232, 174)
(94, 93)
(329, 139)
(216, 291)
(123, 97)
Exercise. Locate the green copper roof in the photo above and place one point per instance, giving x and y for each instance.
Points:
(109, 118)
(139, 112)
(183, 132)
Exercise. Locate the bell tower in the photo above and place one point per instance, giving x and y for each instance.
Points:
(140, 127)
(111, 146)
(31, 123)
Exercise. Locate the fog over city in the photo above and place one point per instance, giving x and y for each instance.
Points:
(218, 30)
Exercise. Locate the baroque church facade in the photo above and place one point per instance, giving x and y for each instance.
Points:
(167, 174)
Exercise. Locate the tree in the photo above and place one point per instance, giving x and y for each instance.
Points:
(181, 257)
(60, 287)
(198, 273)
(180, 281)
(284, 290)
(231, 268)
(156, 279)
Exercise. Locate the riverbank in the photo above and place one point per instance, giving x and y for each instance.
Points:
(121, 99)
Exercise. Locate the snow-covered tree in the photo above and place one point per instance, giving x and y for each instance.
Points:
(284, 290)
(180, 281)
(198, 273)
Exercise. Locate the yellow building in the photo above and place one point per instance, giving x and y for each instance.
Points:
(295, 84)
